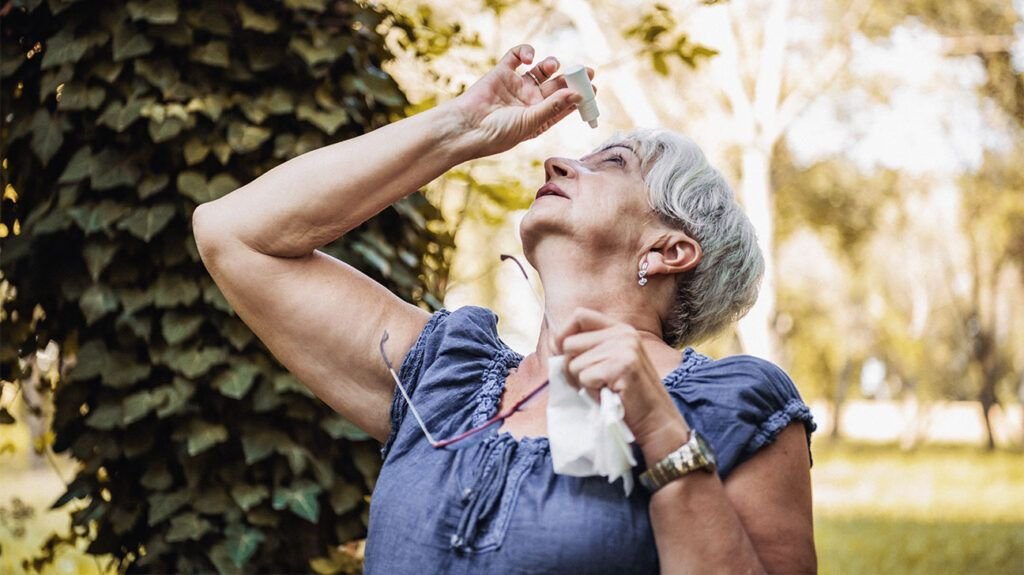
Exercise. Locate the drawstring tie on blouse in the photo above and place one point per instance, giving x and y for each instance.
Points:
(485, 492)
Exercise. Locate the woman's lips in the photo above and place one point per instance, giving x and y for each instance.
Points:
(550, 189)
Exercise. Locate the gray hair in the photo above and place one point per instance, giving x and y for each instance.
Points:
(690, 195)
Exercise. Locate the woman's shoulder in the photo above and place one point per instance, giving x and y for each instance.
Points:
(742, 402)
(468, 325)
(460, 334)
(735, 375)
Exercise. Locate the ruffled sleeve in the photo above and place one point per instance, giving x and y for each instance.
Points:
(442, 369)
(739, 403)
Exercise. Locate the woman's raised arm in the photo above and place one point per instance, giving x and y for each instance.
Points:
(321, 318)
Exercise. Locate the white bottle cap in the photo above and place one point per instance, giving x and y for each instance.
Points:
(577, 79)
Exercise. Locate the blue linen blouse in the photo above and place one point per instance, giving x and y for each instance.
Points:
(498, 507)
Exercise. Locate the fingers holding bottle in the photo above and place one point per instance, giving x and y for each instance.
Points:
(506, 106)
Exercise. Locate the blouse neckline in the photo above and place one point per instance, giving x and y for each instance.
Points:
(505, 359)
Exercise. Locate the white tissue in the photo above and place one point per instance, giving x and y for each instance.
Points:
(587, 438)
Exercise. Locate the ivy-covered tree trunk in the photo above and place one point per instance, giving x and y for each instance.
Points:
(198, 450)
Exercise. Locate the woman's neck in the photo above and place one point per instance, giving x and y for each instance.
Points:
(609, 288)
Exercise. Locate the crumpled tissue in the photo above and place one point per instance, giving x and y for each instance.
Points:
(586, 437)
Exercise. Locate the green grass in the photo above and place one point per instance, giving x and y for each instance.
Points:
(886, 545)
(932, 510)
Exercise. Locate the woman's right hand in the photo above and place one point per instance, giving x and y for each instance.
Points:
(504, 107)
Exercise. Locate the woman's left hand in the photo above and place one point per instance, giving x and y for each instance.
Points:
(602, 352)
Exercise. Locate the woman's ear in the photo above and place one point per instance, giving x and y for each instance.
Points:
(674, 253)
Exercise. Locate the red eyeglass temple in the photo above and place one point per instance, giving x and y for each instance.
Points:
(496, 418)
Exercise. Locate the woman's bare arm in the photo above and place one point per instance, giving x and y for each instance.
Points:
(758, 521)
(321, 318)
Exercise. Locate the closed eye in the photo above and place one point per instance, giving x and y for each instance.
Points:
(617, 159)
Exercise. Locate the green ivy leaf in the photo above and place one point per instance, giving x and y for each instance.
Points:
(195, 150)
(345, 497)
(300, 498)
(338, 428)
(244, 138)
(258, 443)
(177, 396)
(172, 289)
(163, 505)
(144, 223)
(79, 166)
(63, 48)
(154, 11)
(253, 20)
(200, 436)
(157, 477)
(165, 130)
(237, 333)
(214, 53)
(213, 500)
(213, 296)
(47, 134)
(129, 42)
(118, 116)
(193, 185)
(92, 218)
(142, 327)
(135, 299)
(98, 256)
(176, 327)
(90, 359)
(248, 496)
(76, 96)
(285, 381)
(367, 460)
(188, 527)
(320, 51)
(123, 519)
(329, 122)
(263, 58)
(138, 405)
(194, 362)
(152, 184)
(236, 381)
(97, 301)
(111, 169)
(106, 416)
(210, 105)
(243, 543)
(221, 185)
(106, 70)
(314, 5)
(122, 370)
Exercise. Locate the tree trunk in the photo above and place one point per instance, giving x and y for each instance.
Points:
(842, 384)
(756, 331)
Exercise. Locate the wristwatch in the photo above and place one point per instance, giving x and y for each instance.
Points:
(695, 454)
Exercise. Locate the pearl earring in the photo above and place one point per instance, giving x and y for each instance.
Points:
(643, 273)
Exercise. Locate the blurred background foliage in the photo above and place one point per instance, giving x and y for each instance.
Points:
(118, 119)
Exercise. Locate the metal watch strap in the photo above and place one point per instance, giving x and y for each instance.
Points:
(694, 454)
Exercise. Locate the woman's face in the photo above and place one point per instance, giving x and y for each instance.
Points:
(599, 201)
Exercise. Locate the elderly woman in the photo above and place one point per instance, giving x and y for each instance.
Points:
(641, 249)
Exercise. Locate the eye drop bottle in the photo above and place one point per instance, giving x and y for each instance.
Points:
(577, 79)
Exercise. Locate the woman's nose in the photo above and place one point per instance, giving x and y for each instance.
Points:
(558, 167)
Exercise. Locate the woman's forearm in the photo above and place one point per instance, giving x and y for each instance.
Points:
(696, 529)
(313, 199)
(759, 521)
